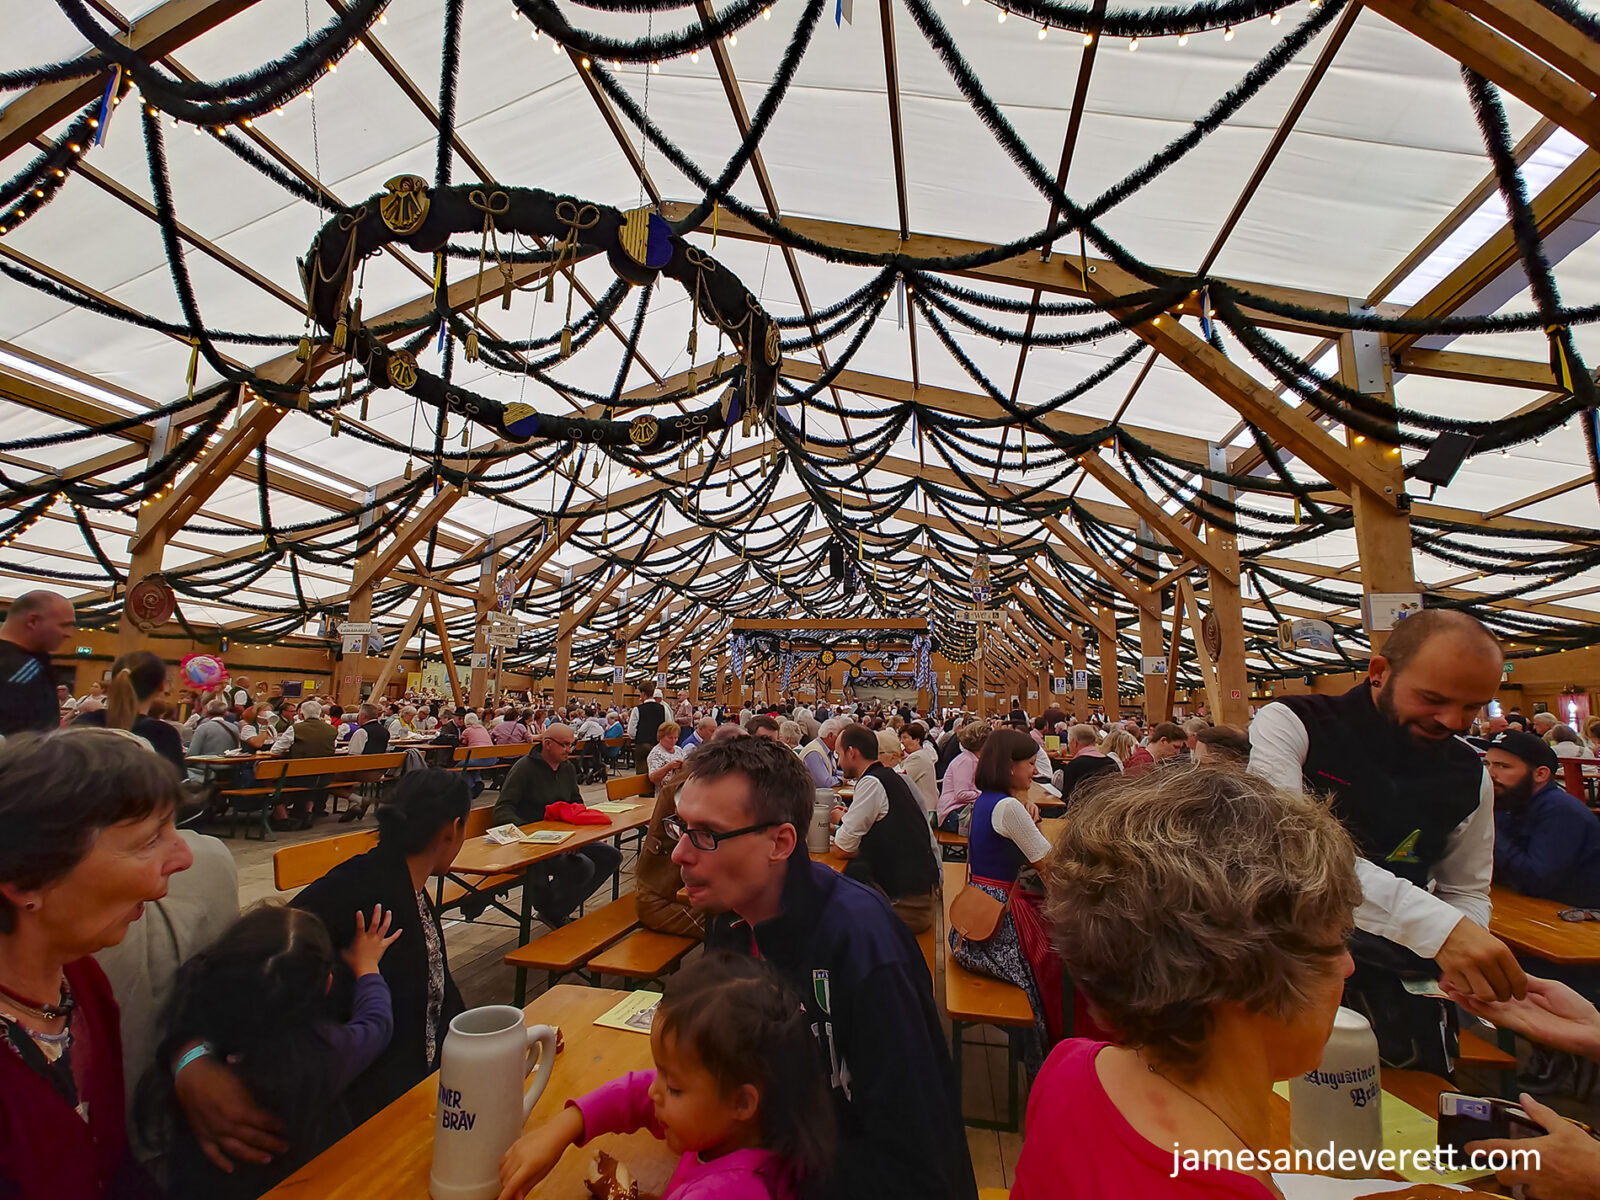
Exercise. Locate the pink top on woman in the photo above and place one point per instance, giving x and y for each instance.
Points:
(624, 1106)
(1078, 1144)
(960, 785)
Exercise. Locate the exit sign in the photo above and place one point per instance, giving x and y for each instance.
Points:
(85, 651)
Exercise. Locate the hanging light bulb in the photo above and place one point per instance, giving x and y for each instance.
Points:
(1088, 39)
(1227, 34)
(1276, 18)
(1183, 39)
(1043, 32)
(694, 56)
(1001, 16)
(585, 63)
(555, 47)
(655, 68)
(1133, 45)
(536, 34)
(733, 39)
(766, 13)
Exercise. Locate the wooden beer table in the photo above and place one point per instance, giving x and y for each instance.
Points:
(1531, 926)
(389, 1157)
(481, 867)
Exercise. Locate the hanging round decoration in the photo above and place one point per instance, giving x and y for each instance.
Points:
(855, 671)
(1211, 633)
(150, 603)
(640, 247)
(826, 658)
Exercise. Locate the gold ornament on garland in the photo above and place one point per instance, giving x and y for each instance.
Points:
(643, 429)
(405, 208)
(403, 369)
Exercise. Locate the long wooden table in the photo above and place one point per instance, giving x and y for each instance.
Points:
(1531, 926)
(479, 861)
(389, 1157)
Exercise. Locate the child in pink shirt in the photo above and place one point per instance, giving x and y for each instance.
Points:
(738, 1092)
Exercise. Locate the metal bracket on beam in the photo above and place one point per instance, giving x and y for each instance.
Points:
(1217, 460)
(1368, 354)
(367, 517)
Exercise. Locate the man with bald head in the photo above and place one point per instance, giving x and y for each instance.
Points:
(1390, 758)
(36, 624)
(559, 884)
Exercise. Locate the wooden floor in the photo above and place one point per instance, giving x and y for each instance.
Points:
(476, 949)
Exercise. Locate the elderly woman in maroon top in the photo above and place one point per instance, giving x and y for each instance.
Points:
(86, 840)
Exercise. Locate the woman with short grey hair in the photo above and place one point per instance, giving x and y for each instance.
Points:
(1203, 914)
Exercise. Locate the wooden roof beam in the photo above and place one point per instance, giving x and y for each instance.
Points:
(160, 31)
(1058, 277)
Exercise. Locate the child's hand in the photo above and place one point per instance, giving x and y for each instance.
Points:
(370, 941)
(533, 1155)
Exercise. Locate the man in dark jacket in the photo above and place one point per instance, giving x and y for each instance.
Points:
(866, 989)
(534, 782)
(884, 832)
(1546, 842)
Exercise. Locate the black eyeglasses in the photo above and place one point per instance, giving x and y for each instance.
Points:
(706, 839)
(1579, 914)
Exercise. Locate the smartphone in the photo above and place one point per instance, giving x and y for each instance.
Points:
(1464, 1119)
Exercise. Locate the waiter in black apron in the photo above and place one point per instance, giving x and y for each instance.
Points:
(1389, 757)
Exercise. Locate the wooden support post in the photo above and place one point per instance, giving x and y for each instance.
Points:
(479, 684)
(983, 683)
(149, 541)
(1110, 698)
(722, 678)
(619, 674)
(1232, 703)
(695, 659)
(1157, 704)
(445, 648)
(1080, 701)
(1174, 645)
(563, 666)
(1383, 534)
(400, 642)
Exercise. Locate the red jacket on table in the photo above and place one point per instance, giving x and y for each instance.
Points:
(47, 1151)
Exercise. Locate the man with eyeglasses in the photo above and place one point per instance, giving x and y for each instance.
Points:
(537, 780)
(741, 805)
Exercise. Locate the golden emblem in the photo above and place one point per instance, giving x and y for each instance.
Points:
(405, 208)
(774, 346)
(642, 430)
(403, 369)
(635, 234)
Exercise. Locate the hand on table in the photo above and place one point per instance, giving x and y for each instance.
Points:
(1568, 1158)
(837, 816)
(1475, 962)
(535, 1154)
(370, 941)
(1553, 1015)
(224, 1117)
(1033, 810)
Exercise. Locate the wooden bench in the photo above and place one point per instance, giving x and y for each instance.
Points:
(338, 769)
(948, 842)
(485, 759)
(625, 787)
(563, 951)
(973, 999)
(643, 955)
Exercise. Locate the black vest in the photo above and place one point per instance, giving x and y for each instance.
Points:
(897, 853)
(1399, 797)
(651, 714)
(377, 737)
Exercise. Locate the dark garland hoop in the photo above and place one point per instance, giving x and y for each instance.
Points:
(639, 245)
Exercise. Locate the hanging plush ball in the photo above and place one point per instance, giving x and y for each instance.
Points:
(204, 672)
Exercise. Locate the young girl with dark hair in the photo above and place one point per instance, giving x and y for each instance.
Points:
(738, 1091)
(258, 999)
(137, 681)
